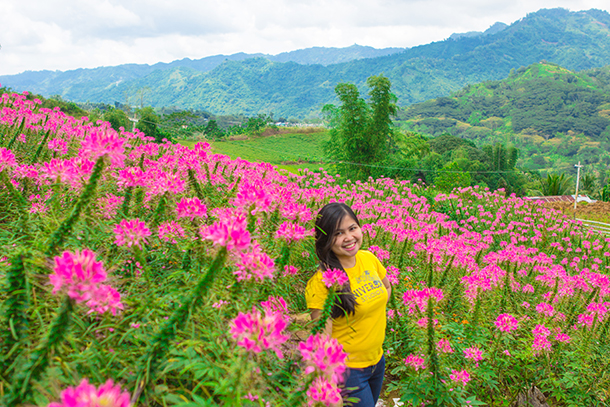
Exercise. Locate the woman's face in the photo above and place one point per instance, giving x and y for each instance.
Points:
(347, 240)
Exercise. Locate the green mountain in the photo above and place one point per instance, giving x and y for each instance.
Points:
(554, 116)
(575, 40)
(89, 84)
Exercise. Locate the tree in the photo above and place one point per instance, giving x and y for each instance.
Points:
(383, 107)
(555, 184)
(212, 131)
(589, 184)
(148, 123)
(117, 119)
(452, 176)
(361, 133)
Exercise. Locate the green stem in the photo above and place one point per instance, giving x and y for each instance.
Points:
(446, 272)
(40, 147)
(432, 355)
(126, 201)
(57, 238)
(326, 312)
(195, 185)
(138, 201)
(14, 305)
(160, 211)
(283, 258)
(39, 361)
(160, 344)
(21, 201)
(18, 131)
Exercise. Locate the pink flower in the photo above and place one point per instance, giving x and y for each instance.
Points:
(131, 176)
(290, 271)
(103, 141)
(219, 304)
(291, 232)
(380, 253)
(230, 231)
(460, 376)
(254, 263)
(298, 212)
(444, 346)
(191, 208)
(586, 319)
(58, 145)
(108, 205)
(275, 304)
(417, 300)
(323, 391)
(545, 309)
(423, 322)
(253, 196)
(334, 277)
(541, 330)
(528, 288)
(171, 230)
(256, 332)
(131, 233)
(541, 343)
(473, 353)
(81, 276)
(323, 356)
(87, 395)
(393, 274)
(415, 362)
(600, 308)
(77, 272)
(7, 159)
(104, 298)
(562, 338)
(507, 323)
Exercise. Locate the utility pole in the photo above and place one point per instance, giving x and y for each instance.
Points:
(133, 122)
(578, 166)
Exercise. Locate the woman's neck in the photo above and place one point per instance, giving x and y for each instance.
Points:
(348, 262)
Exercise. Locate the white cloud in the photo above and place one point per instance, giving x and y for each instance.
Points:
(68, 34)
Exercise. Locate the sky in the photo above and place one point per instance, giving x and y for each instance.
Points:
(70, 34)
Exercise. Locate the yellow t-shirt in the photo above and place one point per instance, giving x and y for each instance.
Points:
(361, 334)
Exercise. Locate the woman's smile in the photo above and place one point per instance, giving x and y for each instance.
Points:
(348, 240)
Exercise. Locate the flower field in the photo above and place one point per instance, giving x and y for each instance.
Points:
(156, 274)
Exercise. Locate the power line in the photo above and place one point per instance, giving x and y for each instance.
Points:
(324, 161)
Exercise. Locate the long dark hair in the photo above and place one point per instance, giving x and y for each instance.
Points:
(327, 222)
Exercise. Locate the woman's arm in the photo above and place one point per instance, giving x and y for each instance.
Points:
(316, 314)
(388, 286)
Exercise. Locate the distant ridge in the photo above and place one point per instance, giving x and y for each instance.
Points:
(253, 84)
(494, 29)
(49, 83)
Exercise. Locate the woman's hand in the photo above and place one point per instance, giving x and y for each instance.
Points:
(328, 329)
(388, 287)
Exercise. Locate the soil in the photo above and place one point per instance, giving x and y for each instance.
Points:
(597, 211)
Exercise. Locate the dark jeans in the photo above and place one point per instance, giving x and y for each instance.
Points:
(367, 382)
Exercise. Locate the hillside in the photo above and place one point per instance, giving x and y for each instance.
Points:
(79, 84)
(556, 117)
(575, 40)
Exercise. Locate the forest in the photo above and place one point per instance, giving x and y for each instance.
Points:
(554, 116)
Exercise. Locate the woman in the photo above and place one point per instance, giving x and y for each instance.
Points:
(358, 318)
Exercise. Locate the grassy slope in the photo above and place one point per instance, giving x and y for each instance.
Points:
(289, 151)
(520, 94)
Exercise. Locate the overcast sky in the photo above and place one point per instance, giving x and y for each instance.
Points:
(70, 34)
